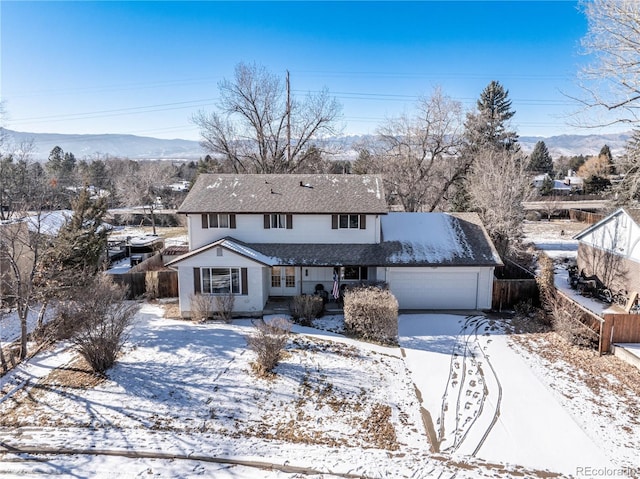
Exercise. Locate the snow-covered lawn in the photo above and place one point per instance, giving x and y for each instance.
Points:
(182, 401)
(188, 389)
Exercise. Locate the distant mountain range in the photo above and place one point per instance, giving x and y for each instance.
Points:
(140, 147)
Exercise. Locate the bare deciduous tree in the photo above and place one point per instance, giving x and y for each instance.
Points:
(627, 192)
(254, 122)
(609, 83)
(139, 183)
(498, 184)
(418, 155)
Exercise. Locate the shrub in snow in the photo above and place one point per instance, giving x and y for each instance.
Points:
(224, 305)
(105, 317)
(268, 342)
(305, 308)
(546, 286)
(152, 286)
(202, 307)
(372, 314)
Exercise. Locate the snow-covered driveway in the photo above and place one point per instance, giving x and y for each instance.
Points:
(485, 401)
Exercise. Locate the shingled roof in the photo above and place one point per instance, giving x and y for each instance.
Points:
(230, 193)
(419, 239)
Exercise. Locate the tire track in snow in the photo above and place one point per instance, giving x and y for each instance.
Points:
(464, 358)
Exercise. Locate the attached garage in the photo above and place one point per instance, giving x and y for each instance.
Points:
(441, 288)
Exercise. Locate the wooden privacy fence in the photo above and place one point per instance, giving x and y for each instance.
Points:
(589, 324)
(155, 284)
(619, 328)
(585, 216)
(508, 292)
(608, 329)
(149, 278)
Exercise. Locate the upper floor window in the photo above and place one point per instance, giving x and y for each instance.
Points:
(218, 220)
(278, 221)
(349, 221)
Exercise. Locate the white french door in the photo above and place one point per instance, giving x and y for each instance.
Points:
(284, 281)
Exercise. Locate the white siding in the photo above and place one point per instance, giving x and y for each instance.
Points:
(256, 277)
(442, 287)
(619, 235)
(306, 229)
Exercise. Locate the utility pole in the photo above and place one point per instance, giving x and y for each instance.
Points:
(288, 119)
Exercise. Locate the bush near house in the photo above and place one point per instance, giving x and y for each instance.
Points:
(224, 305)
(202, 307)
(305, 308)
(371, 313)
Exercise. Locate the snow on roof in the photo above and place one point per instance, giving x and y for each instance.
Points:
(249, 253)
(49, 222)
(232, 245)
(426, 237)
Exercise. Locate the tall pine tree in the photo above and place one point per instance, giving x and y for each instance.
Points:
(489, 125)
(540, 160)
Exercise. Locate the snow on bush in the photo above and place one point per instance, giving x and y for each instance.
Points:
(268, 342)
(372, 314)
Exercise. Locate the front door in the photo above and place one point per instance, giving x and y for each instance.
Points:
(284, 280)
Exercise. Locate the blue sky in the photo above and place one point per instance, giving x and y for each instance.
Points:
(145, 67)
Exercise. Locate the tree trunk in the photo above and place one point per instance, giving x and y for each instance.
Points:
(41, 314)
(23, 313)
(3, 361)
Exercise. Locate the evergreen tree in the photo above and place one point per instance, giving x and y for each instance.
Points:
(78, 249)
(489, 125)
(605, 153)
(461, 200)
(540, 161)
(547, 186)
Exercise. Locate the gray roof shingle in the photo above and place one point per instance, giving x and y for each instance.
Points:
(477, 251)
(327, 194)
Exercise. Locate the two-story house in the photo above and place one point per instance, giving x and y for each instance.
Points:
(260, 236)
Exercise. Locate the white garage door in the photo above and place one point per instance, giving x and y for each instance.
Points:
(434, 290)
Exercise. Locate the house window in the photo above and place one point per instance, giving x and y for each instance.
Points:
(349, 221)
(218, 220)
(221, 280)
(278, 221)
(358, 273)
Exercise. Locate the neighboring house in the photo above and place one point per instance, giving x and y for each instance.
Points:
(610, 249)
(259, 236)
(570, 184)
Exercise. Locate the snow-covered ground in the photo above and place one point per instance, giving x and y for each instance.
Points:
(462, 397)
(485, 399)
(183, 397)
